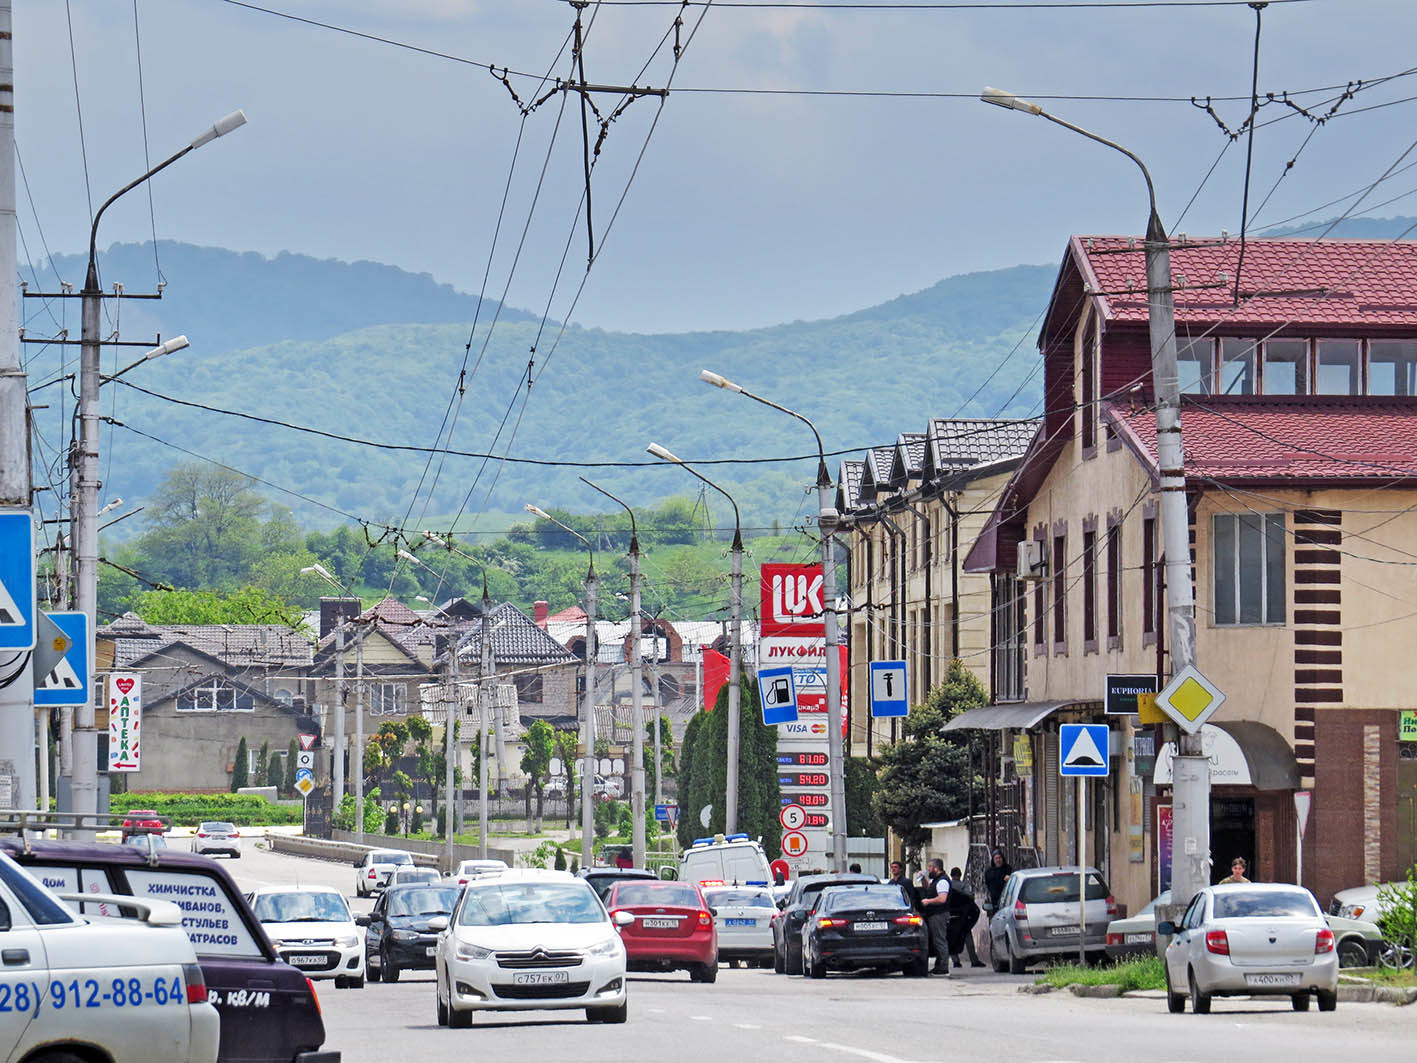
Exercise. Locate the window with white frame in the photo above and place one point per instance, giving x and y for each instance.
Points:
(214, 695)
(385, 698)
(1249, 554)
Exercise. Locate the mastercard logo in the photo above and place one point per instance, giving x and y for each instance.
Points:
(819, 728)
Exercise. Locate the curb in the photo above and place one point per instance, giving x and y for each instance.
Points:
(1097, 991)
(1038, 990)
(1378, 994)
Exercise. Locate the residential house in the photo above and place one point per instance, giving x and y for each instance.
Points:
(1299, 424)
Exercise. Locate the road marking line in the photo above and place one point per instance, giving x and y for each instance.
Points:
(656, 1011)
(864, 1053)
(701, 1018)
(746, 1026)
(800, 1039)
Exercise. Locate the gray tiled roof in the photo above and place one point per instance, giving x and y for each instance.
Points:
(237, 645)
(848, 484)
(963, 442)
(910, 447)
(515, 639)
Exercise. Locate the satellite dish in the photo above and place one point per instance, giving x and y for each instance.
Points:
(704, 814)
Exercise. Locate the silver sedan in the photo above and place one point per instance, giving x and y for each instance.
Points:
(1251, 939)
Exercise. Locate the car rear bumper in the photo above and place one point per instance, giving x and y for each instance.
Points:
(206, 1033)
(1221, 978)
(322, 1056)
(668, 956)
(872, 954)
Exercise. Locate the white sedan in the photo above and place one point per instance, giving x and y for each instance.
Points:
(313, 930)
(743, 916)
(1251, 939)
(530, 940)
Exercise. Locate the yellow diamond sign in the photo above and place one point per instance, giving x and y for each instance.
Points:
(1189, 699)
(304, 785)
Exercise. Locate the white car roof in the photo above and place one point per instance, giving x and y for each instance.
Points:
(525, 874)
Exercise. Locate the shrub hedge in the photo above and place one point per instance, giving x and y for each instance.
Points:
(188, 810)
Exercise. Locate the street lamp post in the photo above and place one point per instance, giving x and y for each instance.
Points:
(588, 723)
(637, 741)
(827, 520)
(337, 759)
(730, 815)
(1191, 789)
(85, 511)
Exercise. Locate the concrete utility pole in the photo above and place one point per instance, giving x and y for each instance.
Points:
(827, 520)
(1190, 787)
(359, 737)
(730, 817)
(17, 719)
(488, 672)
(450, 750)
(637, 742)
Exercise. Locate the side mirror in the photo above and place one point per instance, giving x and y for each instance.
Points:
(361, 920)
(623, 918)
(358, 864)
(1166, 929)
(712, 910)
(438, 923)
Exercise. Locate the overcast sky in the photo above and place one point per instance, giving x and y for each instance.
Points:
(747, 209)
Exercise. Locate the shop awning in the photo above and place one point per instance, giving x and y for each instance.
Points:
(1017, 716)
(1242, 753)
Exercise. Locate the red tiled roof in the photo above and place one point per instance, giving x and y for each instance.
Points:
(1300, 438)
(1335, 283)
(575, 612)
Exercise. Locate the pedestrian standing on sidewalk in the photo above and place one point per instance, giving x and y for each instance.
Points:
(963, 914)
(995, 875)
(934, 903)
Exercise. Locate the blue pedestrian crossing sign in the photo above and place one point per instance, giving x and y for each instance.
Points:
(778, 693)
(17, 580)
(888, 693)
(68, 681)
(1082, 749)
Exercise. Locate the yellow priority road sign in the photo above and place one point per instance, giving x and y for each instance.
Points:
(1189, 699)
(304, 785)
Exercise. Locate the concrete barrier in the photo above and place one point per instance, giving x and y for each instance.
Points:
(343, 848)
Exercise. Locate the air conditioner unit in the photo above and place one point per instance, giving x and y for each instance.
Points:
(1032, 563)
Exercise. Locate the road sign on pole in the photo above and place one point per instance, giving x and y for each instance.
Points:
(1190, 699)
(794, 844)
(792, 817)
(1082, 749)
(17, 580)
(888, 693)
(308, 741)
(778, 694)
(67, 681)
(305, 759)
(305, 784)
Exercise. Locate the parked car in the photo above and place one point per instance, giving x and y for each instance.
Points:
(743, 916)
(874, 925)
(398, 936)
(671, 929)
(471, 869)
(1251, 939)
(268, 1009)
(601, 879)
(1358, 941)
(787, 924)
(410, 875)
(1358, 902)
(57, 962)
(313, 930)
(143, 819)
(217, 837)
(1037, 917)
(529, 940)
(371, 871)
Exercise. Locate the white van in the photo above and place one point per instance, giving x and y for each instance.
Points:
(736, 860)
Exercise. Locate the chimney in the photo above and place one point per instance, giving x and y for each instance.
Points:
(332, 610)
(539, 614)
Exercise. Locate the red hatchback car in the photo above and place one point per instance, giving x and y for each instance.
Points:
(673, 928)
(144, 818)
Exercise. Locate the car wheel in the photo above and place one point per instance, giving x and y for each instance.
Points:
(704, 972)
(340, 981)
(370, 971)
(1200, 1002)
(779, 965)
(459, 1020)
(355, 983)
(794, 965)
(615, 1015)
(388, 968)
(766, 963)
(1328, 999)
(921, 968)
(1175, 1002)
(1016, 965)
(442, 1007)
(1300, 1001)
(1352, 953)
(237, 856)
(814, 970)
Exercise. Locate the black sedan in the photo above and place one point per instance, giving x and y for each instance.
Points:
(787, 924)
(854, 927)
(397, 937)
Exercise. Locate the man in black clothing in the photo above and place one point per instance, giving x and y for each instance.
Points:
(934, 895)
(963, 913)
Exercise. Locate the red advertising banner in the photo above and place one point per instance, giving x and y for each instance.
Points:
(792, 600)
(716, 670)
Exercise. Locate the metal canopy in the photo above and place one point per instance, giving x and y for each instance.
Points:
(1018, 716)
(1271, 761)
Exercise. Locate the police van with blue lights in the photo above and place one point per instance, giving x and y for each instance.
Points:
(735, 860)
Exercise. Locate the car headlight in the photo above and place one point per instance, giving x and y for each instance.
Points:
(469, 951)
(348, 941)
(608, 947)
(405, 935)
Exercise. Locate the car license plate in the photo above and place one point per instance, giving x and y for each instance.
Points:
(741, 922)
(1272, 979)
(867, 928)
(1063, 931)
(307, 961)
(540, 978)
(1139, 939)
(431, 950)
(659, 924)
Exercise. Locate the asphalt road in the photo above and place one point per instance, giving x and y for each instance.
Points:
(751, 1015)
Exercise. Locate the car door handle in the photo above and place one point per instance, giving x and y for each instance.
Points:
(15, 957)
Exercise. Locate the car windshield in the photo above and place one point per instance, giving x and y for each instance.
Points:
(142, 841)
(518, 903)
(422, 901)
(739, 898)
(1060, 888)
(1162, 898)
(301, 907)
(415, 874)
(887, 895)
(1263, 904)
(390, 858)
(659, 893)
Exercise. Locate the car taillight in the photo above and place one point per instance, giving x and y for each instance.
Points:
(373, 872)
(705, 919)
(1324, 941)
(908, 920)
(237, 833)
(830, 924)
(1217, 942)
(196, 983)
(1112, 906)
(200, 835)
(315, 997)
(1114, 939)
(1020, 910)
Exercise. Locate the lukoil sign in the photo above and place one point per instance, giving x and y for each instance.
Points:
(792, 600)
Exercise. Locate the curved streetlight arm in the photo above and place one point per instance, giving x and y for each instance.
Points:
(709, 377)
(448, 545)
(664, 455)
(634, 533)
(566, 528)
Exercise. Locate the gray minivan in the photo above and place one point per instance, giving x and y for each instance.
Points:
(1037, 917)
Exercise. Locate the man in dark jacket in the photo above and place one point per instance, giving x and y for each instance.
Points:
(963, 913)
(901, 879)
(933, 896)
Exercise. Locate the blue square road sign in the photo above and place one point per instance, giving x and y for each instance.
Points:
(1082, 749)
(17, 580)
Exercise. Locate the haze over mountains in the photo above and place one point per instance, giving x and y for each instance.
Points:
(374, 352)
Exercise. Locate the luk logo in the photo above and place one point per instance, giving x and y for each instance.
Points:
(792, 598)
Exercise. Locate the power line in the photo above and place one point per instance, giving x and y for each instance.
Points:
(78, 106)
(958, 5)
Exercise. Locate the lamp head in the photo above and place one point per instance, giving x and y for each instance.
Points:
(173, 345)
(409, 557)
(436, 539)
(710, 377)
(662, 454)
(538, 511)
(223, 126)
(1007, 100)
